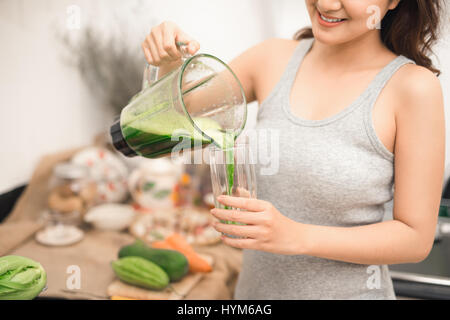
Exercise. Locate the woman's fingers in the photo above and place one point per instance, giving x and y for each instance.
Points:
(237, 230)
(246, 217)
(241, 243)
(243, 203)
(193, 45)
(153, 51)
(169, 44)
(160, 45)
(148, 55)
(158, 39)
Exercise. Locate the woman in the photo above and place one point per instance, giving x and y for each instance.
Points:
(357, 107)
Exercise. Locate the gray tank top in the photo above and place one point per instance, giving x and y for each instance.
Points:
(332, 172)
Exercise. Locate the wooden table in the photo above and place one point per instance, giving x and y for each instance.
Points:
(95, 252)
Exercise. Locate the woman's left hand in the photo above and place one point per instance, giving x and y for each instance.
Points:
(266, 228)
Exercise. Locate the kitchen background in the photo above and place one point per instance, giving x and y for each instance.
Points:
(47, 105)
(66, 70)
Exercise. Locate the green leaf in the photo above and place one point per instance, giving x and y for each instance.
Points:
(148, 186)
(162, 194)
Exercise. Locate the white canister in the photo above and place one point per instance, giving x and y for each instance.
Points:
(152, 184)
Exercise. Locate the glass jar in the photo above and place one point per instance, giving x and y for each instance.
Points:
(71, 194)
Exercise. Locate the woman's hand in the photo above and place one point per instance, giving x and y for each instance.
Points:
(160, 45)
(266, 230)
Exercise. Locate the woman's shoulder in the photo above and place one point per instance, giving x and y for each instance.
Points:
(274, 42)
(262, 64)
(415, 76)
(274, 53)
(416, 96)
(276, 46)
(415, 84)
(268, 51)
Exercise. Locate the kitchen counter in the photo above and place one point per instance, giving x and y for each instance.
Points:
(94, 254)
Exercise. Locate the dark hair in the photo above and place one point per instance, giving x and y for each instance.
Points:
(411, 29)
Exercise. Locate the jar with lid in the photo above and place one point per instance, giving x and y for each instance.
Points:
(71, 194)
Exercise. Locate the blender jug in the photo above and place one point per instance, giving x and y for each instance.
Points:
(199, 103)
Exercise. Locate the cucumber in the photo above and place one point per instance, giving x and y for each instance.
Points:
(172, 262)
(141, 272)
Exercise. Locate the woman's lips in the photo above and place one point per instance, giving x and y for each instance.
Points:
(329, 23)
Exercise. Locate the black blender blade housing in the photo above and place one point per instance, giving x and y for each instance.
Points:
(119, 141)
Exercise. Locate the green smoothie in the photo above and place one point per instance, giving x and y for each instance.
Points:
(229, 152)
(151, 134)
(226, 141)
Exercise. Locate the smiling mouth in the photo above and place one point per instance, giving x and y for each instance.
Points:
(329, 19)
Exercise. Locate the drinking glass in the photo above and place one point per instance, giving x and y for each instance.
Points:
(233, 174)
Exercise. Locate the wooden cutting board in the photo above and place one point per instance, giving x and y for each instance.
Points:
(176, 290)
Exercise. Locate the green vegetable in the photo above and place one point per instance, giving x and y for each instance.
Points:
(20, 278)
(172, 262)
(141, 272)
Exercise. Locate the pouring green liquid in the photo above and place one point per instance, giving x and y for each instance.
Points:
(226, 142)
(151, 136)
(155, 133)
(230, 169)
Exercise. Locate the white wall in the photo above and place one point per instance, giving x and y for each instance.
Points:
(45, 106)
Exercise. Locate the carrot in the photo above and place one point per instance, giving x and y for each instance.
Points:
(196, 263)
(162, 245)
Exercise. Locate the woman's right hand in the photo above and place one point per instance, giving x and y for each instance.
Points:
(160, 45)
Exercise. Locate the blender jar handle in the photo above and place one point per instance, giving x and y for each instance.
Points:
(151, 72)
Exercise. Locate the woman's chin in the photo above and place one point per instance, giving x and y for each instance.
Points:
(327, 37)
(332, 37)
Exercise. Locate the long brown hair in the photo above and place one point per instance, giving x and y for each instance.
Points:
(411, 30)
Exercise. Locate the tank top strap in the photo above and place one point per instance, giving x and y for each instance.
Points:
(293, 65)
(371, 96)
(383, 77)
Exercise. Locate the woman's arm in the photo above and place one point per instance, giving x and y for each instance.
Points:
(388, 242)
(244, 66)
(160, 50)
(419, 169)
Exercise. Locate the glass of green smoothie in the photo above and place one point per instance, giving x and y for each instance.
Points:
(190, 107)
(232, 173)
